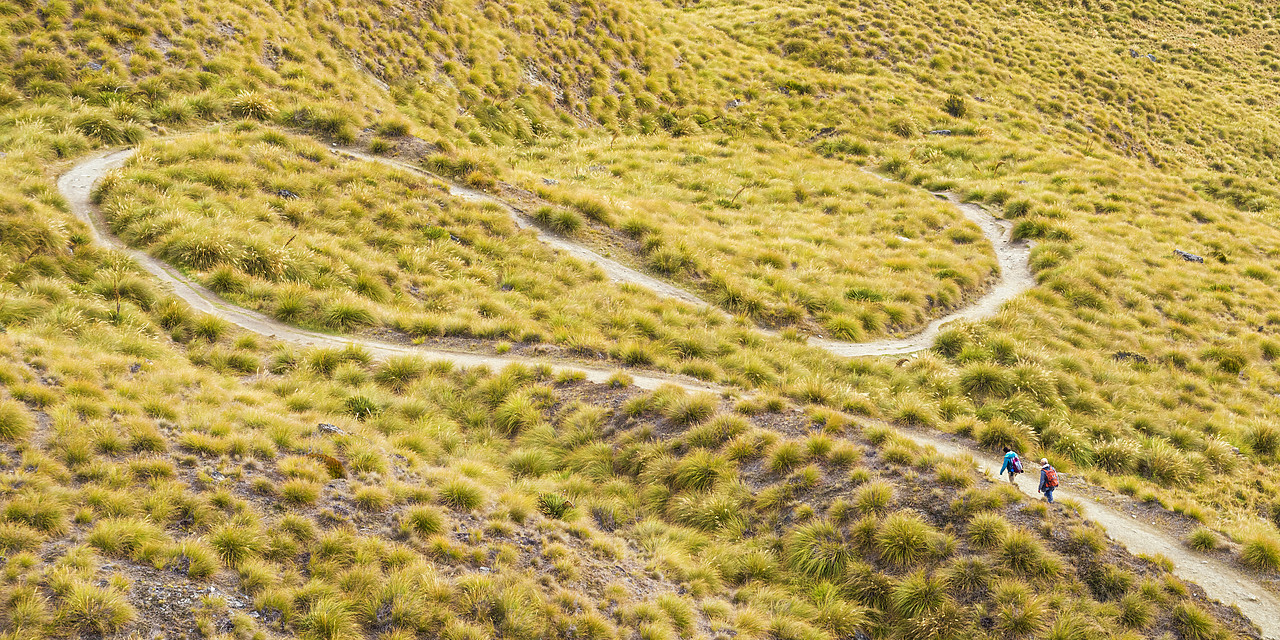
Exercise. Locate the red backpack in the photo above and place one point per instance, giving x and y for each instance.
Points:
(1017, 464)
(1050, 477)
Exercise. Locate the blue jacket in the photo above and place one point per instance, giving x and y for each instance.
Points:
(1008, 462)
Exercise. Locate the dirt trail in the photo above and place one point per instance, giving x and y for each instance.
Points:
(1015, 278)
(77, 185)
(1013, 257)
(614, 270)
(1219, 580)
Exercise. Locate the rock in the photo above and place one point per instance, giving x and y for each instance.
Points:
(287, 194)
(325, 427)
(92, 66)
(549, 182)
(733, 104)
(938, 132)
(135, 367)
(1189, 257)
(1133, 54)
(825, 132)
(1152, 57)
(1128, 355)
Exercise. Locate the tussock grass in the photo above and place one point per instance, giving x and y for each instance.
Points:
(904, 539)
(1193, 622)
(987, 530)
(1203, 539)
(87, 608)
(743, 203)
(684, 195)
(1020, 551)
(874, 498)
(1262, 553)
(15, 423)
(968, 575)
(818, 550)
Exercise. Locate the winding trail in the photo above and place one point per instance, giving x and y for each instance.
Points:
(76, 186)
(1220, 580)
(1012, 256)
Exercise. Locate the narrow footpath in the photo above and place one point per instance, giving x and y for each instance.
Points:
(1013, 257)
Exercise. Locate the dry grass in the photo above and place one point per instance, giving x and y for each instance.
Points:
(1109, 161)
(771, 231)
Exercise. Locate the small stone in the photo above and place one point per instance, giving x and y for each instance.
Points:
(325, 427)
(1189, 257)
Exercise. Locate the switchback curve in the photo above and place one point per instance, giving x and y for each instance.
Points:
(76, 186)
(1013, 257)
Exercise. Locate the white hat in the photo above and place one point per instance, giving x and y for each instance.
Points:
(1044, 461)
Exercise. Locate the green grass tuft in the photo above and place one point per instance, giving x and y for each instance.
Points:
(1261, 552)
(819, 550)
(904, 539)
(1203, 539)
(15, 423)
(88, 608)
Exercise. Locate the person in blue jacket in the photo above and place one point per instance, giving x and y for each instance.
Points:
(1010, 463)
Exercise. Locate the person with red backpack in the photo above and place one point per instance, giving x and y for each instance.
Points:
(1048, 479)
(1012, 463)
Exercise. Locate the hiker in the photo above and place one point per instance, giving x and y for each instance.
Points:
(1048, 479)
(1012, 464)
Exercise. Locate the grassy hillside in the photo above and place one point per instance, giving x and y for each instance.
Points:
(215, 485)
(328, 497)
(1110, 162)
(772, 232)
(718, 144)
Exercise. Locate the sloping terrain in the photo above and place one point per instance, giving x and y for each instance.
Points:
(161, 464)
(1219, 579)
